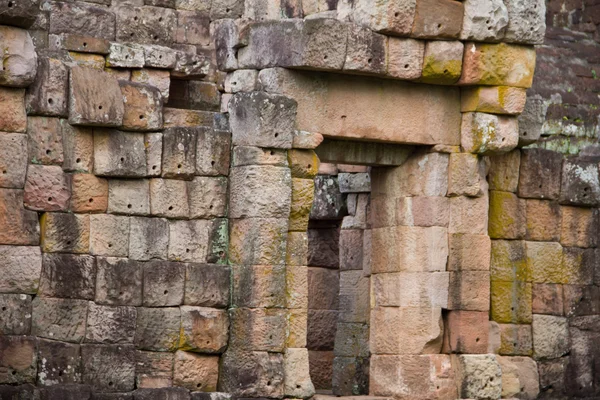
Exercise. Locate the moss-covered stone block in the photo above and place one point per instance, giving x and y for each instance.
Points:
(511, 302)
(509, 261)
(507, 216)
(303, 191)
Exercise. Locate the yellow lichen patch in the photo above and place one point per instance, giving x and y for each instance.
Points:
(511, 302)
(302, 199)
(545, 262)
(507, 216)
(297, 249)
(509, 261)
(443, 72)
(297, 322)
(304, 163)
(88, 60)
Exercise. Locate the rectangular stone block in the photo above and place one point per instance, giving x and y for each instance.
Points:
(65, 232)
(543, 220)
(13, 160)
(550, 336)
(258, 286)
(580, 183)
(511, 302)
(195, 371)
(153, 369)
(179, 152)
(468, 215)
(578, 265)
(190, 240)
(78, 147)
(16, 314)
(465, 174)
(507, 218)
(18, 359)
(163, 283)
(213, 152)
(68, 276)
(153, 142)
(258, 241)
(129, 197)
(321, 328)
(538, 173)
(323, 288)
(579, 227)
(504, 171)
(443, 61)
(119, 154)
(483, 133)
(59, 363)
(148, 238)
(469, 290)
(110, 325)
(437, 19)
(158, 329)
(297, 287)
(301, 202)
(405, 58)
(88, 193)
(44, 140)
(21, 15)
(207, 285)
(119, 282)
(466, 332)
(82, 19)
(169, 198)
(143, 107)
(468, 252)
(297, 249)
(354, 297)
(547, 299)
(109, 235)
(157, 78)
(207, 197)
(493, 100)
(509, 261)
(59, 319)
(108, 368)
(46, 188)
(258, 329)
(204, 330)
(12, 105)
(410, 289)
(480, 374)
(154, 25)
(20, 226)
(48, 94)
(515, 340)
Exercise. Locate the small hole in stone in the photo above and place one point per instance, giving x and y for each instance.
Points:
(129, 205)
(325, 57)
(406, 66)
(60, 373)
(3, 308)
(141, 117)
(272, 153)
(344, 117)
(99, 107)
(10, 4)
(503, 139)
(445, 71)
(276, 134)
(110, 245)
(68, 242)
(199, 385)
(122, 159)
(212, 163)
(211, 207)
(131, 34)
(268, 383)
(84, 44)
(4, 172)
(540, 186)
(78, 160)
(187, 250)
(270, 336)
(524, 133)
(48, 151)
(514, 345)
(370, 60)
(154, 167)
(155, 37)
(227, 10)
(308, 166)
(50, 101)
(160, 19)
(477, 340)
(120, 293)
(170, 208)
(49, 198)
(208, 342)
(110, 383)
(396, 14)
(135, 18)
(178, 166)
(492, 379)
(91, 200)
(165, 292)
(437, 387)
(160, 57)
(127, 56)
(512, 309)
(298, 386)
(587, 189)
(439, 26)
(14, 372)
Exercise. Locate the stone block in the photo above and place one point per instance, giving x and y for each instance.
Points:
(74, 391)
(59, 319)
(511, 302)
(580, 183)
(169, 198)
(18, 359)
(166, 393)
(425, 376)
(110, 325)
(354, 183)
(119, 282)
(543, 220)
(410, 289)
(46, 188)
(550, 336)
(391, 17)
(190, 241)
(321, 328)
(515, 340)
(142, 107)
(580, 300)
(12, 106)
(297, 328)
(248, 373)
(258, 329)
(468, 252)
(243, 80)
(68, 276)
(16, 311)
(323, 292)
(146, 25)
(192, 63)
(509, 261)
(484, 21)
(203, 330)
(469, 290)
(58, 363)
(179, 152)
(414, 249)
(578, 265)
(48, 93)
(443, 61)
(258, 286)
(526, 22)
(195, 371)
(154, 143)
(153, 369)
(301, 203)
(129, 197)
(21, 15)
(119, 154)
(352, 340)
(420, 211)
(148, 238)
(405, 58)
(321, 368)
(78, 43)
(20, 226)
(531, 120)
(207, 285)
(552, 374)
(481, 376)
(124, 56)
(95, 62)
(258, 241)
(498, 65)
(158, 78)
(174, 117)
(88, 193)
(108, 368)
(504, 171)
(538, 174)
(163, 283)
(422, 333)
(520, 377)
(547, 299)
(493, 100)
(297, 287)
(351, 249)
(82, 19)
(158, 328)
(488, 133)
(78, 147)
(269, 125)
(366, 51)
(19, 58)
(109, 235)
(328, 202)
(94, 98)
(13, 160)
(226, 35)
(297, 381)
(350, 375)
(354, 297)
(303, 163)
(465, 174)
(65, 232)
(207, 197)
(437, 19)
(213, 152)
(507, 216)
(578, 227)
(260, 191)
(307, 140)
(466, 332)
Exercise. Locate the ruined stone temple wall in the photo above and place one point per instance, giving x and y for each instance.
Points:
(158, 166)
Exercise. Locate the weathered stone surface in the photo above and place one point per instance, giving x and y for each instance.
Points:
(207, 197)
(323, 292)
(247, 373)
(258, 241)
(443, 62)
(130, 197)
(190, 240)
(44, 140)
(169, 198)
(108, 368)
(352, 340)
(18, 359)
(297, 379)
(391, 17)
(410, 289)
(532, 120)
(260, 119)
(437, 19)
(124, 56)
(157, 78)
(79, 43)
(119, 282)
(65, 232)
(467, 215)
(78, 147)
(466, 332)
(207, 285)
(579, 227)
(142, 107)
(226, 35)
(82, 19)
(110, 325)
(547, 299)
(488, 134)
(469, 290)
(498, 65)
(243, 80)
(94, 98)
(148, 238)
(526, 22)
(153, 369)
(213, 152)
(520, 377)
(58, 363)
(20, 14)
(95, 62)
(464, 175)
(175, 393)
(146, 25)
(509, 261)
(258, 286)
(468, 252)
(538, 173)
(507, 216)
(260, 191)
(13, 160)
(180, 117)
(352, 108)
(48, 94)
(481, 376)
(258, 329)
(543, 220)
(154, 147)
(493, 100)
(515, 340)
(59, 319)
(163, 283)
(12, 106)
(109, 235)
(550, 336)
(16, 314)
(195, 371)
(484, 21)
(119, 154)
(19, 59)
(504, 171)
(157, 328)
(405, 58)
(204, 330)
(321, 368)
(68, 276)
(328, 202)
(46, 189)
(365, 51)
(580, 183)
(511, 302)
(73, 391)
